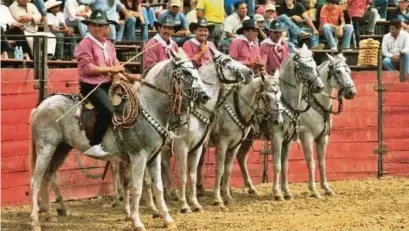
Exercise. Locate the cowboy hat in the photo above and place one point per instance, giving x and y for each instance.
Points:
(52, 3)
(276, 25)
(168, 20)
(247, 24)
(201, 22)
(270, 7)
(98, 17)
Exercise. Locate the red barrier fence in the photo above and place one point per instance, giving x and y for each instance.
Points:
(349, 155)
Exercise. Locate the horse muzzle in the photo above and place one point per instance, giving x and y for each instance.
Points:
(349, 93)
(278, 119)
(202, 98)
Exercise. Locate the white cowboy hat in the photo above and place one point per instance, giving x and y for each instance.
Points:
(52, 3)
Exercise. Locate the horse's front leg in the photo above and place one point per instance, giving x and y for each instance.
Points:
(276, 147)
(199, 185)
(242, 155)
(125, 174)
(193, 160)
(155, 173)
(307, 143)
(321, 147)
(147, 192)
(118, 185)
(285, 151)
(138, 165)
(167, 178)
(220, 160)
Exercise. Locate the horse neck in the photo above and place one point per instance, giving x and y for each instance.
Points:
(154, 102)
(208, 74)
(247, 96)
(291, 89)
(323, 99)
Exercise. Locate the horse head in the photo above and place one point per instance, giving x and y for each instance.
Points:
(271, 96)
(230, 70)
(305, 69)
(339, 76)
(184, 70)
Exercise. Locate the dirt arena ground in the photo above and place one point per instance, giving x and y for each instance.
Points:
(359, 205)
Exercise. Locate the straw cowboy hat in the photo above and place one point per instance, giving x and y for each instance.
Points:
(201, 22)
(52, 3)
(168, 20)
(98, 17)
(247, 24)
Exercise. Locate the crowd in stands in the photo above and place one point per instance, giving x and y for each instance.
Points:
(282, 24)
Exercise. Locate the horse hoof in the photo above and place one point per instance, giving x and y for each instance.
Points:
(36, 228)
(224, 208)
(170, 225)
(185, 210)
(139, 229)
(288, 197)
(252, 192)
(156, 215)
(229, 201)
(197, 209)
(279, 198)
(61, 212)
(316, 196)
(330, 193)
(128, 219)
(217, 203)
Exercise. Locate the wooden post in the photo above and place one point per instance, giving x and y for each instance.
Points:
(40, 66)
(402, 67)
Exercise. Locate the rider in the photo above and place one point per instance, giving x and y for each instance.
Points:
(245, 48)
(97, 63)
(274, 49)
(154, 53)
(197, 48)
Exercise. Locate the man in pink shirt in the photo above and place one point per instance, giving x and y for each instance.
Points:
(245, 48)
(197, 48)
(157, 48)
(97, 63)
(274, 50)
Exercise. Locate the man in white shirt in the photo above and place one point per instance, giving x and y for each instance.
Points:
(191, 15)
(394, 44)
(232, 23)
(73, 16)
(7, 23)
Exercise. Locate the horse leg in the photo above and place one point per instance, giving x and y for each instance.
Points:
(148, 195)
(44, 153)
(61, 211)
(307, 144)
(118, 186)
(125, 173)
(220, 160)
(242, 160)
(155, 172)
(321, 148)
(193, 160)
(284, 171)
(167, 175)
(199, 183)
(181, 159)
(138, 165)
(276, 146)
(228, 166)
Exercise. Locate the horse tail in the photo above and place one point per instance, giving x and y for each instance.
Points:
(32, 155)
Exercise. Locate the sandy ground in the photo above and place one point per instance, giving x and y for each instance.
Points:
(359, 205)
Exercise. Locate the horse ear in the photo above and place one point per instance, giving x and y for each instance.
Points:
(304, 47)
(263, 78)
(330, 57)
(172, 54)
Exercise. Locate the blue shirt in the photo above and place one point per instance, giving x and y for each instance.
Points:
(180, 19)
(402, 16)
(229, 2)
(110, 11)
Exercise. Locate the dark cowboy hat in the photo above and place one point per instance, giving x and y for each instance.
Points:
(276, 25)
(168, 20)
(201, 22)
(247, 24)
(98, 17)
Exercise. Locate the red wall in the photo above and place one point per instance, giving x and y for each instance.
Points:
(349, 156)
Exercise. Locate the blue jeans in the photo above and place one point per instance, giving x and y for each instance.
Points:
(382, 6)
(315, 39)
(329, 32)
(59, 48)
(229, 10)
(77, 23)
(131, 23)
(388, 65)
(294, 30)
(291, 47)
(251, 7)
(148, 16)
(41, 7)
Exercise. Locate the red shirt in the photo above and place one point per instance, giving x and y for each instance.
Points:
(244, 51)
(89, 54)
(191, 48)
(157, 53)
(273, 54)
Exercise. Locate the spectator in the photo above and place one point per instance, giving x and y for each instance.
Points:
(148, 14)
(27, 14)
(181, 32)
(111, 9)
(274, 50)
(245, 48)
(260, 24)
(402, 14)
(234, 22)
(269, 14)
(135, 13)
(395, 43)
(382, 6)
(331, 15)
(191, 15)
(213, 11)
(197, 48)
(262, 8)
(293, 15)
(9, 25)
(56, 24)
(74, 15)
(358, 10)
(41, 8)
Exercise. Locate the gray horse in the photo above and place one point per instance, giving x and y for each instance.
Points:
(314, 126)
(298, 70)
(139, 144)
